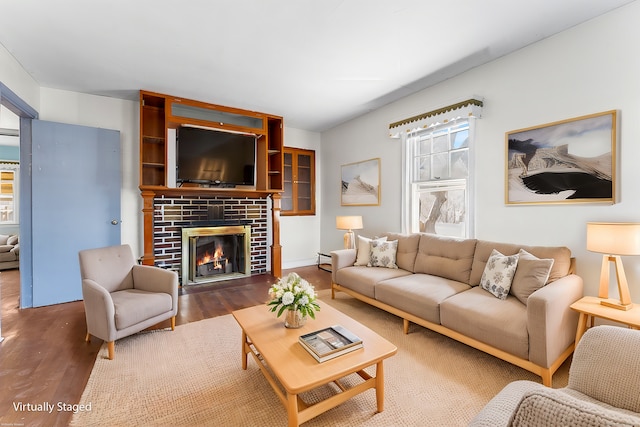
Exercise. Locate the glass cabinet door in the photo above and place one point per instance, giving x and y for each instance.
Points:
(298, 197)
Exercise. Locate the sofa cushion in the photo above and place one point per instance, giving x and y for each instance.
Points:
(364, 279)
(12, 240)
(561, 258)
(479, 315)
(364, 249)
(531, 274)
(5, 248)
(8, 256)
(418, 294)
(447, 257)
(383, 254)
(498, 274)
(133, 306)
(3, 239)
(407, 249)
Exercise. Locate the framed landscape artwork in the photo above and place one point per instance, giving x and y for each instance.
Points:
(570, 161)
(361, 183)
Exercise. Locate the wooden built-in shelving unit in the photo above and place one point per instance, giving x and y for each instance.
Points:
(159, 113)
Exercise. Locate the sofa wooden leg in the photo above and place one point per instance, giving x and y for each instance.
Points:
(173, 323)
(405, 326)
(111, 346)
(546, 377)
(88, 337)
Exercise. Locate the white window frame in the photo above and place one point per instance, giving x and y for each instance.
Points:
(413, 187)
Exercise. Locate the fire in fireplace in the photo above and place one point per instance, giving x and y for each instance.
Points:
(215, 253)
(211, 257)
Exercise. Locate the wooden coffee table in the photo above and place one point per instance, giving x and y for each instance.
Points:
(290, 366)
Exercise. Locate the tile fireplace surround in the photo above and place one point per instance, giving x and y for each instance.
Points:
(172, 213)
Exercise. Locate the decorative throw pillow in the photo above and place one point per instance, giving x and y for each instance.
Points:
(383, 254)
(532, 273)
(498, 274)
(364, 249)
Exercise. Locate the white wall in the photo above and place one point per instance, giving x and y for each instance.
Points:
(108, 113)
(300, 235)
(588, 69)
(13, 76)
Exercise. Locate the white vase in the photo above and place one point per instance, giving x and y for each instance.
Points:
(294, 319)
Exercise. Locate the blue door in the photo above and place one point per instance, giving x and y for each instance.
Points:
(75, 198)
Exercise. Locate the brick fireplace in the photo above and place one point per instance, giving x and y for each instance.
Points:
(172, 214)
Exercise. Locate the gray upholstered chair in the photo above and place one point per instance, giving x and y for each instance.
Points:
(122, 297)
(603, 388)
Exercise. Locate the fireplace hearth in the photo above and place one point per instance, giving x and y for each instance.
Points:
(215, 253)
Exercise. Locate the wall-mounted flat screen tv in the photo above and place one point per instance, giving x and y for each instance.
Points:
(217, 158)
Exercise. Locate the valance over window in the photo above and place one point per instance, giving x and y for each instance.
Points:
(469, 108)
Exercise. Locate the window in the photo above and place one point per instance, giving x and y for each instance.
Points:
(8, 193)
(299, 196)
(439, 168)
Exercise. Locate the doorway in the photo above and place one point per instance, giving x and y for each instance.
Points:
(70, 200)
(11, 103)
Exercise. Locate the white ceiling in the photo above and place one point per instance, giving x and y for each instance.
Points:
(317, 63)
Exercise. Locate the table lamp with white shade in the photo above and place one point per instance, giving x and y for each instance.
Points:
(349, 223)
(613, 239)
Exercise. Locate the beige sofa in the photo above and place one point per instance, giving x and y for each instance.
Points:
(9, 251)
(603, 389)
(436, 285)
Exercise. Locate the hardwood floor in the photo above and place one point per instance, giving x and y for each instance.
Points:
(45, 359)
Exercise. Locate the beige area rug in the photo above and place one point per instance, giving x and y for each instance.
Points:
(193, 376)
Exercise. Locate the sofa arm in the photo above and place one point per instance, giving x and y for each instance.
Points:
(500, 409)
(156, 279)
(99, 310)
(340, 259)
(551, 323)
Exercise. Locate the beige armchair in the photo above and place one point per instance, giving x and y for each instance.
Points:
(122, 297)
(603, 388)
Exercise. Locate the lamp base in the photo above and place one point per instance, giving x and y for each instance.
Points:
(616, 304)
(349, 240)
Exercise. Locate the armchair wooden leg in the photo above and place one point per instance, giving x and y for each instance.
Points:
(173, 323)
(111, 346)
(88, 337)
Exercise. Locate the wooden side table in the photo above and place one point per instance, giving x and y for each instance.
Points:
(590, 308)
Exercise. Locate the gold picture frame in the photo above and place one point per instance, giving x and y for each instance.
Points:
(568, 161)
(360, 183)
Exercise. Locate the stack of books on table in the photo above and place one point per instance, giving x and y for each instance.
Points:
(330, 342)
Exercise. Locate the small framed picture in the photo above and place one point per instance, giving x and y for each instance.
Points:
(569, 161)
(361, 183)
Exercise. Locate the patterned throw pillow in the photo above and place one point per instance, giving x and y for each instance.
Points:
(364, 249)
(498, 274)
(383, 254)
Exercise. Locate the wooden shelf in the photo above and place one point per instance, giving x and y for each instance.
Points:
(153, 147)
(153, 139)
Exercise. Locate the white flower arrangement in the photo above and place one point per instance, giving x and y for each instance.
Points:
(292, 292)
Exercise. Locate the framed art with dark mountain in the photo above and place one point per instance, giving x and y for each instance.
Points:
(569, 161)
